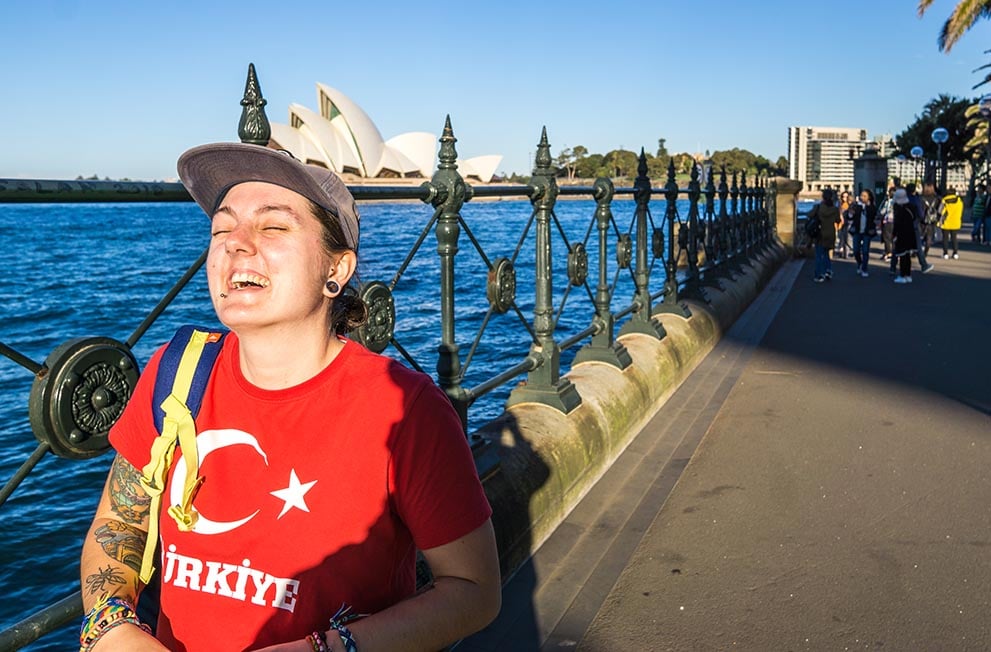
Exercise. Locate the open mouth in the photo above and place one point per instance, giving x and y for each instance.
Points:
(242, 280)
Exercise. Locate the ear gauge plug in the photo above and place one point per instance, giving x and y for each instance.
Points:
(333, 287)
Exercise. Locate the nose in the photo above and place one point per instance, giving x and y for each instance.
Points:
(240, 239)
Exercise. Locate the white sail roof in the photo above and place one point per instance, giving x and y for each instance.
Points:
(343, 138)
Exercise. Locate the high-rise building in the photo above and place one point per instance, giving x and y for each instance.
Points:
(822, 157)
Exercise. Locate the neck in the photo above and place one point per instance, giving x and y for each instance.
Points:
(277, 358)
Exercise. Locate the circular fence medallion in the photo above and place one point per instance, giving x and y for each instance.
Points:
(377, 331)
(83, 390)
(624, 250)
(501, 286)
(577, 264)
(657, 243)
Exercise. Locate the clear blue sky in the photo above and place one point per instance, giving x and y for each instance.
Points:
(120, 89)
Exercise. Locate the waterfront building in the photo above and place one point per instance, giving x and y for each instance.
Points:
(822, 157)
(826, 157)
(343, 138)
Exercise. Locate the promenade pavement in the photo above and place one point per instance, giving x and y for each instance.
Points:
(822, 481)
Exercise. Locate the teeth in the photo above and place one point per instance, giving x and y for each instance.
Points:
(243, 280)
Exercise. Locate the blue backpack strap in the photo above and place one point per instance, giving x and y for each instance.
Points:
(169, 365)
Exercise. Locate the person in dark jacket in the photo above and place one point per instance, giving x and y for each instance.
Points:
(862, 225)
(906, 242)
(828, 215)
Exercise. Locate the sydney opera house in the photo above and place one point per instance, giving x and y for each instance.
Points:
(343, 138)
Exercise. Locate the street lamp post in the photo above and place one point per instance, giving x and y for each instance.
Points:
(916, 153)
(901, 167)
(940, 136)
(984, 107)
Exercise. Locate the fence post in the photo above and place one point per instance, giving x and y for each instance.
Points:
(693, 288)
(449, 198)
(544, 384)
(670, 303)
(603, 347)
(642, 320)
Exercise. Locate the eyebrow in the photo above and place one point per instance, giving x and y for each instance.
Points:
(267, 208)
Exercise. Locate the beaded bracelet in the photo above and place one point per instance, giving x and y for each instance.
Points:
(107, 613)
(318, 641)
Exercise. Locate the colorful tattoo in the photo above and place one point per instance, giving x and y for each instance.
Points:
(104, 580)
(122, 542)
(127, 498)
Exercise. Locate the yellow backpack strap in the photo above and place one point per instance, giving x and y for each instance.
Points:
(183, 373)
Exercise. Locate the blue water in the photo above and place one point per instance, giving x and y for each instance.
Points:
(97, 270)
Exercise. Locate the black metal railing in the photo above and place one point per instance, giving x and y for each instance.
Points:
(679, 256)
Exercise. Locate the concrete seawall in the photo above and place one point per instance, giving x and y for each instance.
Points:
(550, 460)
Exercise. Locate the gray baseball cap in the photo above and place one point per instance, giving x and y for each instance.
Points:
(209, 171)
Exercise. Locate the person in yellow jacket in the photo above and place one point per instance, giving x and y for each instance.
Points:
(952, 221)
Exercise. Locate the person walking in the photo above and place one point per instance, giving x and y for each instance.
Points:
(886, 213)
(827, 214)
(905, 239)
(932, 215)
(951, 221)
(862, 226)
(978, 209)
(843, 232)
(915, 202)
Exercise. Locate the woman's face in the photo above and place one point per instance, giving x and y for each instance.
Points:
(865, 198)
(266, 264)
(844, 197)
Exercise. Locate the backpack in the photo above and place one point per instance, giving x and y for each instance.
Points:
(813, 228)
(931, 206)
(183, 373)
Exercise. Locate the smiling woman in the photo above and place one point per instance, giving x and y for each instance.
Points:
(314, 470)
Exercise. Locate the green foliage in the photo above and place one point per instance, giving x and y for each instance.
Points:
(943, 111)
(578, 163)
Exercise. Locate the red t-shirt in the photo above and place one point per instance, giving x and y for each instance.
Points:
(314, 496)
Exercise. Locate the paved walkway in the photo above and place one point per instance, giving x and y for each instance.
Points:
(821, 482)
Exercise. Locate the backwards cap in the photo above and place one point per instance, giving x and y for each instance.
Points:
(209, 171)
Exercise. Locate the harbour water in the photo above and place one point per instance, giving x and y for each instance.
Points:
(97, 270)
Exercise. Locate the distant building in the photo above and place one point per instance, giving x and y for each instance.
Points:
(823, 157)
(344, 139)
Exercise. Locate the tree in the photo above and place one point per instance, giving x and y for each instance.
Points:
(942, 111)
(965, 14)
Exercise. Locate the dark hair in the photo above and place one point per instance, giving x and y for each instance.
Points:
(828, 197)
(910, 188)
(347, 310)
(870, 194)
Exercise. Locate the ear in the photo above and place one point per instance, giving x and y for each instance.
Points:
(342, 269)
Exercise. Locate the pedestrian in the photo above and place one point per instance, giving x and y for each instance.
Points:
(827, 214)
(906, 241)
(977, 213)
(915, 203)
(932, 215)
(886, 213)
(332, 464)
(863, 227)
(842, 233)
(951, 221)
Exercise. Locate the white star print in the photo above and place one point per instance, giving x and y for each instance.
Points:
(293, 494)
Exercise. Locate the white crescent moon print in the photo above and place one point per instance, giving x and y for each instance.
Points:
(207, 442)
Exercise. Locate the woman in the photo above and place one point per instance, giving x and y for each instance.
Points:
(863, 227)
(828, 216)
(322, 467)
(843, 240)
(886, 211)
(904, 235)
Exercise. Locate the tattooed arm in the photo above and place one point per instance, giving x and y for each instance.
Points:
(113, 548)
